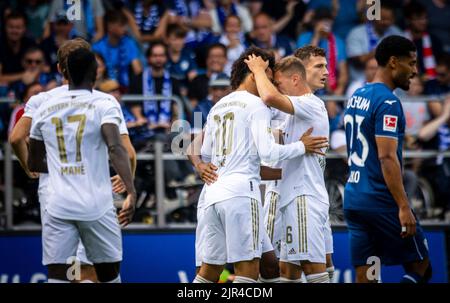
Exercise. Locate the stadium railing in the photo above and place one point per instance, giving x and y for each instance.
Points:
(6, 219)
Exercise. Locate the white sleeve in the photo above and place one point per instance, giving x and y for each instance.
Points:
(303, 109)
(111, 113)
(32, 105)
(35, 132)
(206, 150)
(268, 150)
(123, 125)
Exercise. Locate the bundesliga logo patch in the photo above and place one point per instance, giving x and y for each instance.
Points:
(390, 123)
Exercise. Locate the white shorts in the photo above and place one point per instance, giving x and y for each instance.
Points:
(272, 220)
(102, 239)
(234, 231)
(200, 231)
(81, 252)
(305, 225)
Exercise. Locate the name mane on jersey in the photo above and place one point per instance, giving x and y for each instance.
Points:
(358, 102)
(60, 106)
(73, 170)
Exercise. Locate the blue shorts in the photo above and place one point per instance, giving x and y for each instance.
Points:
(378, 234)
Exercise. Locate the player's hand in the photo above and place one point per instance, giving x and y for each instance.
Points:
(126, 213)
(314, 144)
(256, 64)
(407, 221)
(118, 186)
(32, 175)
(207, 172)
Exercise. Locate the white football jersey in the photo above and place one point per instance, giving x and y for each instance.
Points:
(278, 119)
(237, 137)
(305, 175)
(32, 106)
(77, 157)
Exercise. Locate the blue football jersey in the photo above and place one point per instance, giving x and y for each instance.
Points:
(372, 111)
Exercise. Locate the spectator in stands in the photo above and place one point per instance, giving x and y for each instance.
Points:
(151, 18)
(264, 36)
(31, 90)
(102, 73)
(37, 14)
(138, 131)
(155, 80)
(225, 8)
(181, 59)
(218, 88)
(36, 70)
(346, 13)
(438, 130)
(14, 44)
(233, 39)
(441, 84)
(439, 24)
(322, 36)
(89, 26)
(62, 31)
(428, 46)
(216, 59)
(363, 39)
(369, 73)
(287, 13)
(119, 50)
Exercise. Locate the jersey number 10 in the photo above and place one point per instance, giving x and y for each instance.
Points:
(81, 119)
(353, 157)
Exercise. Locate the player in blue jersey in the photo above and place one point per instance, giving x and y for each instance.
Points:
(379, 217)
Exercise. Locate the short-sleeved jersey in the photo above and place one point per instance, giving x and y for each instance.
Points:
(373, 111)
(305, 175)
(237, 137)
(77, 157)
(32, 106)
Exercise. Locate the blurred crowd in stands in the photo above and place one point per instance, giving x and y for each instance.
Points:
(186, 48)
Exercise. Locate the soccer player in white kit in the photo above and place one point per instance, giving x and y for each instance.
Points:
(237, 137)
(19, 139)
(305, 205)
(70, 138)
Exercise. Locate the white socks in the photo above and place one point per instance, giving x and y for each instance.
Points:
(318, 278)
(200, 279)
(286, 280)
(240, 279)
(330, 271)
(263, 280)
(57, 281)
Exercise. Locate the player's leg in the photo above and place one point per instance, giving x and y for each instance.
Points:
(102, 240)
(244, 236)
(269, 268)
(411, 252)
(200, 240)
(329, 249)
(214, 254)
(59, 242)
(362, 244)
(88, 273)
(291, 272)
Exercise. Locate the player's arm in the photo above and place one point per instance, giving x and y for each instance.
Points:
(267, 91)
(18, 141)
(37, 157)
(118, 186)
(269, 151)
(120, 161)
(392, 173)
(269, 173)
(206, 171)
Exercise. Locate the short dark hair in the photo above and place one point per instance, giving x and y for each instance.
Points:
(240, 70)
(414, 8)
(322, 13)
(176, 30)
(306, 52)
(65, 49)
(115, 16)
(444, 59)
(393, 46)
(290, 64)
(82, 66)
(16, 15)
(154, 44)
(33, 49)
(216, 45)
